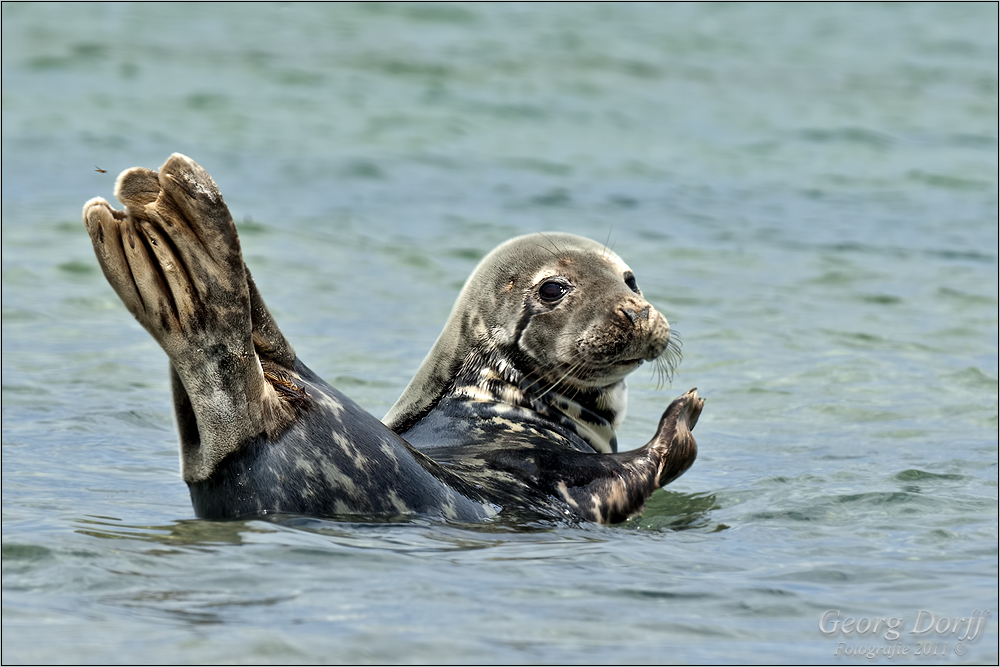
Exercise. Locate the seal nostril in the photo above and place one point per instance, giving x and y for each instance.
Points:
(631, 315)
(644, 313)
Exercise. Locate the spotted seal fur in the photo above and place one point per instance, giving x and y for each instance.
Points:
(514, 409)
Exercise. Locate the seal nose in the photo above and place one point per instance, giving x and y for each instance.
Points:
(634, 317)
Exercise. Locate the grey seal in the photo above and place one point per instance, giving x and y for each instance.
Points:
(513, 412)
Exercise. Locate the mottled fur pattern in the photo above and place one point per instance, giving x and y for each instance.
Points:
(514, 410)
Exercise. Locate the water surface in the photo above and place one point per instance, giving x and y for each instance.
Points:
(808, 192)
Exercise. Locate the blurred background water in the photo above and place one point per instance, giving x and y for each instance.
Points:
(808, 191)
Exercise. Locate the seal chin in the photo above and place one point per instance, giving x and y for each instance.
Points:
(603, 375)
(617, 370)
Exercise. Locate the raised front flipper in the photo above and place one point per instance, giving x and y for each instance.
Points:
(609, 488)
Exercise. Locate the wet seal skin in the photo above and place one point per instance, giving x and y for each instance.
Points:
(514, 410)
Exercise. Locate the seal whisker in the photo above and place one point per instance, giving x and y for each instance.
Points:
(559, 381)
(541, 376)
(607, 251)
(544, 373)
(552, 243)
(661, 370)
(669, 359)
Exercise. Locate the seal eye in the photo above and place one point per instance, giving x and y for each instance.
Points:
(630, 281)
(551, 291)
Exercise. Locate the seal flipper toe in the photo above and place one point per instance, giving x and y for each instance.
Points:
(137, 187)
(103, 223)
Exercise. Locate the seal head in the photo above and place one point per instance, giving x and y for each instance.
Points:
(549, 322)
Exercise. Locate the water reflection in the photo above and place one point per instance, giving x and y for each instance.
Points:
(666, 511)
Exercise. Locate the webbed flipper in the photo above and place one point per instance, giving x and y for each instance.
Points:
(609, 488)
(173, 256)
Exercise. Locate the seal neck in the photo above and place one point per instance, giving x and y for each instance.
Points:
(592, 413)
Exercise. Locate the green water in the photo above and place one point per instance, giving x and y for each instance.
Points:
(808, 192)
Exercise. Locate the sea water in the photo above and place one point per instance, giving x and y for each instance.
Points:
(807, 191)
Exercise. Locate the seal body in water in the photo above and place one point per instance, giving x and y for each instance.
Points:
(514, 410)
